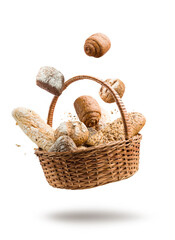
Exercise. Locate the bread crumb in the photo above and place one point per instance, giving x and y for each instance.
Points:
(18, 145)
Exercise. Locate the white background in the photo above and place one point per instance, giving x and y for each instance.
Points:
(142, 55)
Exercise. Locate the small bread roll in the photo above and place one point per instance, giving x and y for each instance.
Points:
(137, 121)
(34, 127)
(117, 85)
(75, 130)
(115, 131)
(97, 45)
(88, 110)
(63, 144)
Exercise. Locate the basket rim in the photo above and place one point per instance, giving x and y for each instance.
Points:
(100, 146)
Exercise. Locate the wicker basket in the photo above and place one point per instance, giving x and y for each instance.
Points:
(94, 166)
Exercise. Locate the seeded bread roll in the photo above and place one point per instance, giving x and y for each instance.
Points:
(117, 85)
(92, 131)
(34, 127)
(50, 79)
(88, 110)
(94, 137)
(63, 144)
(115, 131)
(75, 130)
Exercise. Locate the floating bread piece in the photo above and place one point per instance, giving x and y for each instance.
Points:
(88, 110)
(50, 79)
(115, 131)
(75, 130)
(97, 45)
(63, 144)
(117, 85)
(34, 127)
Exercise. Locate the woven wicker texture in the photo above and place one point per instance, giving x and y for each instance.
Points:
(94, 166)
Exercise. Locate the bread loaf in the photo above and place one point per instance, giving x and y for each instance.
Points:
(115, 131)
(50, 79)
(88, 110)
(63, 144)
(117, 85)
(75, 130)
(34, 127)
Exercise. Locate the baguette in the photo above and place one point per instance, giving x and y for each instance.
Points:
(34, 127)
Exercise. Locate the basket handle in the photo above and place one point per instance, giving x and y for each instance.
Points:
(118, 101)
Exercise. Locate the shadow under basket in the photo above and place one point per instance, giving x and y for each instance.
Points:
(94, 166)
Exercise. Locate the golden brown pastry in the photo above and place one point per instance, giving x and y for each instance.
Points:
(117, 85)
(88, 110)
(75, 130)
(97, 45)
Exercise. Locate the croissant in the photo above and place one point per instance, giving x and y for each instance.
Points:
(97, 45)
(88, 110)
